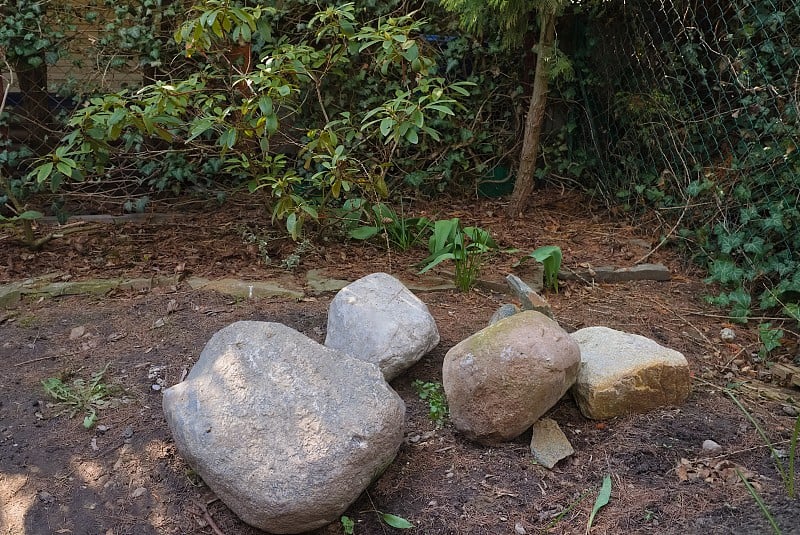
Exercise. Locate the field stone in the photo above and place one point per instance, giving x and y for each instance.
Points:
(286, 432)
(549, 444)
(378, 320)
(500, 380)
(623, 373)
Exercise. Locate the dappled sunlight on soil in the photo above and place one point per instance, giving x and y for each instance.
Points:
(126, 478)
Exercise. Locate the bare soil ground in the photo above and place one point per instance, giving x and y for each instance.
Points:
(125, 477)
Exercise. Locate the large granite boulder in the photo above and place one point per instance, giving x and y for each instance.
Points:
(623, 373)
(379, 320)
(286, 432)
(500, 380)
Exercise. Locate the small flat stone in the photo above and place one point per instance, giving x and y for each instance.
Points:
(711, 446)
(655, 272)
(10, 294)
(727, 335)
(245, 289)
(549, 444)
(320, 283)
(77, 332)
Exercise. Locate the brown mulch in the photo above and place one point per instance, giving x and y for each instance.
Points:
(57, 477)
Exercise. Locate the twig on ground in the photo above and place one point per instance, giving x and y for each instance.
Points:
(202, 511)
(710, 344)
(31, 361)
(724, 317)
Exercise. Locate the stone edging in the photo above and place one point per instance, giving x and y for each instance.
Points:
(317, 283)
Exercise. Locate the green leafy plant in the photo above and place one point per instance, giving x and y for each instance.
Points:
(401, 232)
(225, 116)
(347, 525)
(550, 258)
(770, 339)
(433, 393)
(465, 246)
(81, 395)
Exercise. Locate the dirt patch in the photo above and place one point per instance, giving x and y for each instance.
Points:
(125, 477)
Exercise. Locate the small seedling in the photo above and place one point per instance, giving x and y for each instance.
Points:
(550, 257)
(81, 396)
(433, 393)
(347, 525)
(770, 339)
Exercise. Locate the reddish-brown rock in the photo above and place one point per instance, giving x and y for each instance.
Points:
(500, 380)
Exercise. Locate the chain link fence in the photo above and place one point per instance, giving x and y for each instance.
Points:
(693, 106)
(55, 53)
(685, 97)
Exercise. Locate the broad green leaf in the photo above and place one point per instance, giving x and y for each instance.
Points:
(438, 260)
(30, 215)
(64, 168)
(550, 258)
(228, 139)
(363, 233)
(310, 210)
(602, 500)
(396, 521)
(443, 231)
(412, 54)
(386, 125)
(200, 126)
(417, 118)
(44, 172)
(440, 108)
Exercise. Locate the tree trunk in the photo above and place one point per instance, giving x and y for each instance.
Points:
(535, 117)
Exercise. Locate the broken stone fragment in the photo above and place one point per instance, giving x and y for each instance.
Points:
(654, 272)
(528, 298)
(549, 444)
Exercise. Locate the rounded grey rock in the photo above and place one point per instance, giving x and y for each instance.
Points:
(287, 432)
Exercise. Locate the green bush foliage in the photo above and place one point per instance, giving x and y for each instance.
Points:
(694, 110)
(689, 108)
